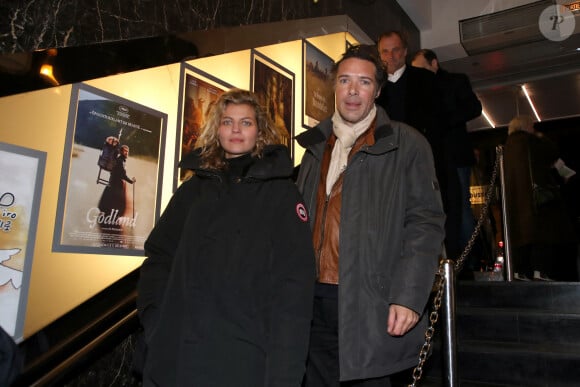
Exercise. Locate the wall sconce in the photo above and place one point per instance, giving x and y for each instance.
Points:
(47, 69)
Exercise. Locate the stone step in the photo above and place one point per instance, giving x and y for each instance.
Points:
(547, 296)
(511, 364)
(513, 334)
(517, 325)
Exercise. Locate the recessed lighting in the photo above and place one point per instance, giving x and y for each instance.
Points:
(531, 103)
(487, 118)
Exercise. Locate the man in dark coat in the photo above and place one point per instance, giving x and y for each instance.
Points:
(377, 222)
(458, 104)
(408, 95)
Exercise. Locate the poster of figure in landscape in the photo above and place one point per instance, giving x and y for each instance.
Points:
(318, 87)
(199, 92)
(109, 192)
(274, 86)
(20, 190)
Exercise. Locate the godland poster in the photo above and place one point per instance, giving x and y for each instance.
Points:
(112, 166)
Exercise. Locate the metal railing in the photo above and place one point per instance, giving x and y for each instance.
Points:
(444, 288)
(81, 337)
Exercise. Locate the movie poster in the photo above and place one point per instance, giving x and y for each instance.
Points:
(20, 190)
(318, 86)
(274, 86)
(199, 91)
(109, 193)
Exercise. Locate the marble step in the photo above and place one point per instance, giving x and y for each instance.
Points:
(517, 325)
(547, 296)
(511, 364)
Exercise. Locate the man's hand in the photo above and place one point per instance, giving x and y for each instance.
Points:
(401, 320)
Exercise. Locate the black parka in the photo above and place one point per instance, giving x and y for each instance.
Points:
(225, 295)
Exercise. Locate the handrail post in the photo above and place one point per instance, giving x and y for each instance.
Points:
(504, 210)
(449, 332)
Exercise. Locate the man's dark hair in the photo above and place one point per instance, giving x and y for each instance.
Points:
(401, 36)
(429, 55)
(365, 52)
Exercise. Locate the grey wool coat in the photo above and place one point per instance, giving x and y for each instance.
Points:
(391, 235)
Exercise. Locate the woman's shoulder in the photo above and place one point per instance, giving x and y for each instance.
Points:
(275, 163)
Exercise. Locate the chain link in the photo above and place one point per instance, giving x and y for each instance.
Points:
(440, 275)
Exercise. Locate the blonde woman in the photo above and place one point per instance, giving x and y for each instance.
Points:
(225, 294)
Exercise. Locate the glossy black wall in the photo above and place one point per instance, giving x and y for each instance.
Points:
(96, 38)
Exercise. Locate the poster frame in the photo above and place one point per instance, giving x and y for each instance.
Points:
(327, 62)
(34, 209)
(195, 72)
(258, 57)
(124, 104)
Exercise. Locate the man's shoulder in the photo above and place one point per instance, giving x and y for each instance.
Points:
(315, 135)
(404, 128)
(418, 72)
(408, 134)
(388, 130)
(420, 81)
(392, 127)
(452, 77)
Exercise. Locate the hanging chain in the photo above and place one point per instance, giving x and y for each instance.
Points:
(483, 215)
(440, 275)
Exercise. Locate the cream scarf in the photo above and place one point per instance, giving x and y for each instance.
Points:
(346, 135)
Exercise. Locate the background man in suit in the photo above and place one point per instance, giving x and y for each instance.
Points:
(457, 105)
(409, 95)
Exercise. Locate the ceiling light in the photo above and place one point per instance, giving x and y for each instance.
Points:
(489, 121)
(531, 103)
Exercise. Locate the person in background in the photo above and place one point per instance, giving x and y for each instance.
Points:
(458, 105)
(377, 223)
(114, 197)
(541, 235)
(116, 202)
(408, 95)
(225, 293)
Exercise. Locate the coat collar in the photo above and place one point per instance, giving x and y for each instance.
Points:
(386, 138)
(274, 163)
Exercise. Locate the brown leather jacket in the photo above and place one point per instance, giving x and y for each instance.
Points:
(327, 217)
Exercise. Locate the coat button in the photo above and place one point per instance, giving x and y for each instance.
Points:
(237, 180)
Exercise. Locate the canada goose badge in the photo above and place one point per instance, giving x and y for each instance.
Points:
(301, 212)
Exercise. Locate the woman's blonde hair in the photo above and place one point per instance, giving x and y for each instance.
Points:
(523, 122)
(212, 154)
